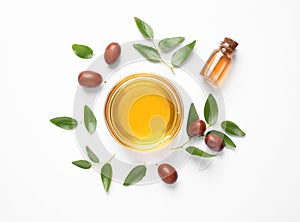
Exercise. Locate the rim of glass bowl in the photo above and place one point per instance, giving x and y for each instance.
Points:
(152, 77)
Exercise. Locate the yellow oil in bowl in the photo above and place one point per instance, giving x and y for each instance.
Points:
(143, 112)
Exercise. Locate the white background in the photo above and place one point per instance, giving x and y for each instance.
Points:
(258, 182)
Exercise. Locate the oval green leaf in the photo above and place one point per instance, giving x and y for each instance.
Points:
(90, 120)
(65, 122)
(84, 164)
(144, 28)
(148, 52)
(106, 175)
(170, 43)
(181, 55)
(211, 110)
(91, 155)
(135, 175)
(82, 51)
(228, 142)
(193, 115)
(231, 128)
(197, 152)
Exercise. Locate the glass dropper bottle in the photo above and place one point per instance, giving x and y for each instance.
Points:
(216, 67)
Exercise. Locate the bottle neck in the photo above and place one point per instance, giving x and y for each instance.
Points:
(226, 49)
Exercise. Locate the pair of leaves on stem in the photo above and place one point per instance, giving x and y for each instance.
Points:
(211, 112)
(69, 123)
(84, 164)
(152, 54)
(106, 170)
(167, 44)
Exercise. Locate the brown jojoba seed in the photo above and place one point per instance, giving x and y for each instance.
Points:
(197, 128)
(214, 142)
(112, 53)
(167, 173)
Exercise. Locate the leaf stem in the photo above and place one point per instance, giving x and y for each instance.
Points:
(180, 147)
(169, 66)
(106, 161)
(176, 148)
(161, 59)
(172, 70)
(110, 159)
(209, 126)
(186, 142)
(154, 44)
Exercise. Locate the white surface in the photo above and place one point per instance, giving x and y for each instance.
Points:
(257, 182)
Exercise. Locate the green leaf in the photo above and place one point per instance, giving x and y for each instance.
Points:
(232, 128)
(181, 55)
(92, 155)
(228, 142)
(135, 175)
(211, 110)
(197, 152)
(84, 164)
(170, 43)
(106, 175)
(144, 28)
(89, 119)
(65, 122)
(82, 51)
(148, 52)
(193, 115)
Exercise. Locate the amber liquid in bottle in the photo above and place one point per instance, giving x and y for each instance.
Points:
(218, 64)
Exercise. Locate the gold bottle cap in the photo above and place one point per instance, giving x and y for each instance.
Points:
(232, 44)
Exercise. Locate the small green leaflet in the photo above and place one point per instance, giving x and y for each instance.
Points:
(170, 43)
(144, 28)
(65, 122)
(193, 115)
(92, 155)
(197, 152)
(211, 110)
(228, 142)
(135, 175)
(82, 51)
(106, 175)
(181, 55)
(84, 164)
(232, 128)
(148, 52)
(89, 120)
